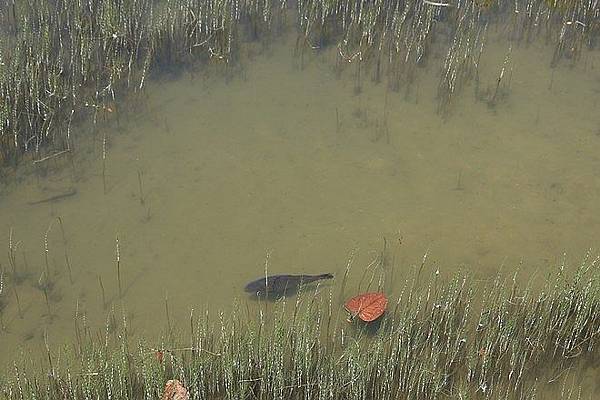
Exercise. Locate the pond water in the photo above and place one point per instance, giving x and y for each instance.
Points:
(206, 179)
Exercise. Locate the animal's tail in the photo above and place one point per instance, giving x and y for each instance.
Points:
(314, 278)
(325, 276)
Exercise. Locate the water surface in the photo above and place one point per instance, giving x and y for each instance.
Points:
(259, 169)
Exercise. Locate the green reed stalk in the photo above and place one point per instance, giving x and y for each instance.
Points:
(67, 262)
(18, 302)
(118, 262)
(104, 161)
(46, 252)
(102, 292)
(167, 313)
(140, 186)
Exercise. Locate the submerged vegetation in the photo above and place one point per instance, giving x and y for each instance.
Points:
(439, 339)
(65, 60)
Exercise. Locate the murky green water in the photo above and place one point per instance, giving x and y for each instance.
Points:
(233, 172)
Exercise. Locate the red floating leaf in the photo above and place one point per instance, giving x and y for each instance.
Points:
(368, 306)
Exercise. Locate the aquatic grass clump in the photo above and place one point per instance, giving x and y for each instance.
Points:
(64, 61)
(394, 37)
(441, 340)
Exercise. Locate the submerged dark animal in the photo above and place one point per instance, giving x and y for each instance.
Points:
(281, 285)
